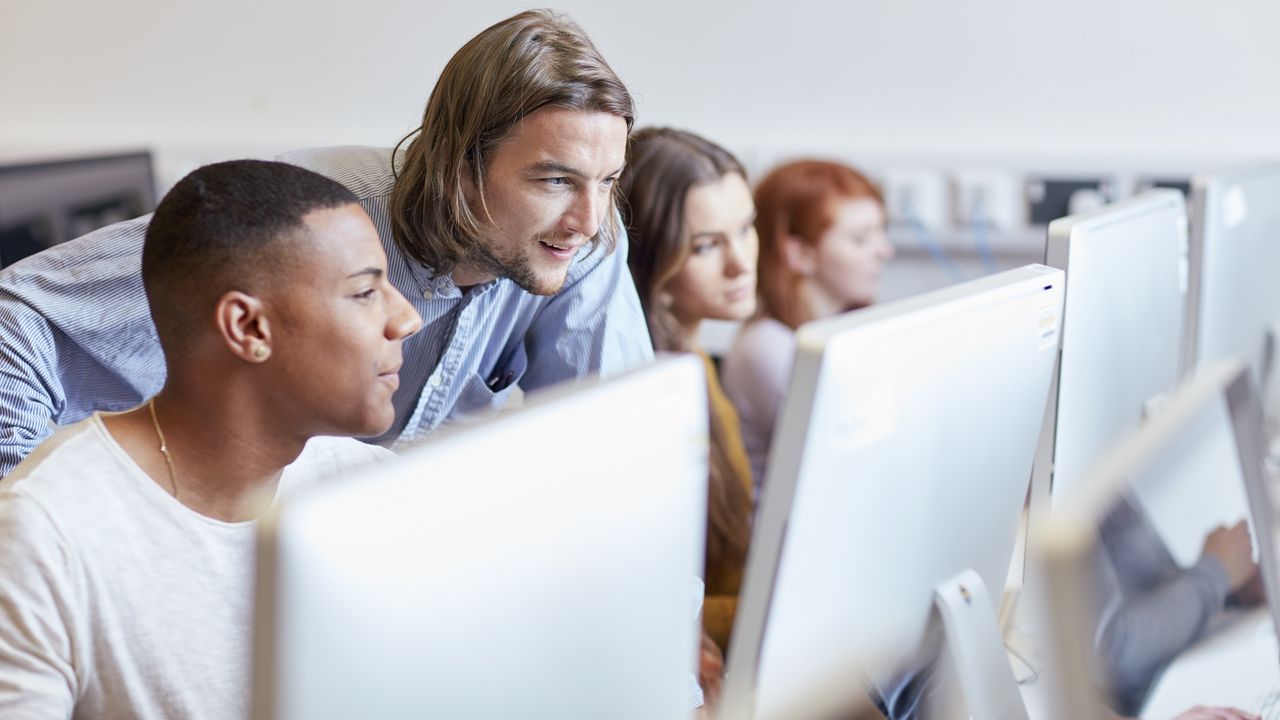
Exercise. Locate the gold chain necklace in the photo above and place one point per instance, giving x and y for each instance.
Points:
(164, 448)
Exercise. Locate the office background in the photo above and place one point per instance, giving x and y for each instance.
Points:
(923, 94)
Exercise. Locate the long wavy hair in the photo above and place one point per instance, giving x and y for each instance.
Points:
(664, 165)
(529, 61)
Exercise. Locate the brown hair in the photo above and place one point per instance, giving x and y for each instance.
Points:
(798, 199)
(664, 165)
(529, 61)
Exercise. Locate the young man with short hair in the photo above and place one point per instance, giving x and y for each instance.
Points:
(127, 541)
(499, 225)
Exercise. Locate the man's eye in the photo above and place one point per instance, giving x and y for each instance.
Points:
(609, 182)
(366, 294)
(556, 181)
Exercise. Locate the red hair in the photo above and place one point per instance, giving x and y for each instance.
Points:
(799, 199)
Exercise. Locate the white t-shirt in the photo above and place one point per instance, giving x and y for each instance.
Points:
(755, 375)
(118, 601)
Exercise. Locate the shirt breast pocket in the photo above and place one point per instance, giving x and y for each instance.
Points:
(483, 396)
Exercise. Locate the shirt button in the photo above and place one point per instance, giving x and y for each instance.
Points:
(434, 380)
(427, 294)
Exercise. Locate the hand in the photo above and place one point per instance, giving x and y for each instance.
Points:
(1200, 712)
(710, 673)
(1232, 547)
(1252, 594)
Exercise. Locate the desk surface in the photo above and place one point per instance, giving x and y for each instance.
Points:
(1237, 664)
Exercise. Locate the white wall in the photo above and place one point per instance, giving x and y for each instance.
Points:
(1022, 85)
(917, 78)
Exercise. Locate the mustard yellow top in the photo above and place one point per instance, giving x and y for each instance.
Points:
(723, 409)
(724, 581)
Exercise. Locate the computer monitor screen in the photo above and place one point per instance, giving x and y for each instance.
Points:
(1234, 308)
(903, 453)
(46, 203)
(1121, 327)
(541, 565)
(1156, 494)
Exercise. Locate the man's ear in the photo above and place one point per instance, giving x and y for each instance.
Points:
(800, 257)
(242, 322)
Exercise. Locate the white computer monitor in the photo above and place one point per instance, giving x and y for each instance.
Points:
(902, 457)
(1234, 298)
(543, 564)
(1122, 328)
(1194, 466)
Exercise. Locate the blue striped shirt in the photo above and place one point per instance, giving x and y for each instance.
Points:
(76, 335)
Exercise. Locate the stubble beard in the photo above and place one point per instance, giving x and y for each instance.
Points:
(517, 268)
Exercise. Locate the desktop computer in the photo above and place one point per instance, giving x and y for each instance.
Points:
(543, 565)
(900, 469)
(1194, 466)
(1122, 329)
(1234, 298)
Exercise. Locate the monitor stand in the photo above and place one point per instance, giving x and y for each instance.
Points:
(977, 653)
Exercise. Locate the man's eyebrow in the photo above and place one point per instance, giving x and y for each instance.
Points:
(371, 271)
(551, 166)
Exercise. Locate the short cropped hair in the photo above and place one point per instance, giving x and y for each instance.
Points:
(224, 227)
(527, 62)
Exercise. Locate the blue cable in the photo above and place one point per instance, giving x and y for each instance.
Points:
(978, 223)
(935, 250)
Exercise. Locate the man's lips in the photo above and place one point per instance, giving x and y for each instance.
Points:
(560, 249)
(391, 376)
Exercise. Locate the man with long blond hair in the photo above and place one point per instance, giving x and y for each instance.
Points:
(497, 217)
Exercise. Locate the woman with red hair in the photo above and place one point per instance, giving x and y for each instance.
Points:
(822, 248)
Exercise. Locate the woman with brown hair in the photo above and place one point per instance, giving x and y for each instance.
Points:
(689, 214)
(822, 248)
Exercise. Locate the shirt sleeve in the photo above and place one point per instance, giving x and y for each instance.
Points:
(30, 392)
(1151, 609)
(593, 325)
(38, 674)
(75, 336)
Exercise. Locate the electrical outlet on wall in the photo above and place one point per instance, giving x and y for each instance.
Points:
(916, 196)
(989, 198)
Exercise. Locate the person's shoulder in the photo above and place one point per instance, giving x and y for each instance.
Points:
(365, 171)
(762, 341)
(769, 330)
(63, 473)
(327, 457)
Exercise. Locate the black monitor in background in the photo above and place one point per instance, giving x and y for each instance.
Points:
(46, 203)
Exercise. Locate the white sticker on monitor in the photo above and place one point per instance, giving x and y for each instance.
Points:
(1235, 209)
(1047, 327)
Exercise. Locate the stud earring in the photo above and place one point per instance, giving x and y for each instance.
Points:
(260, 352)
